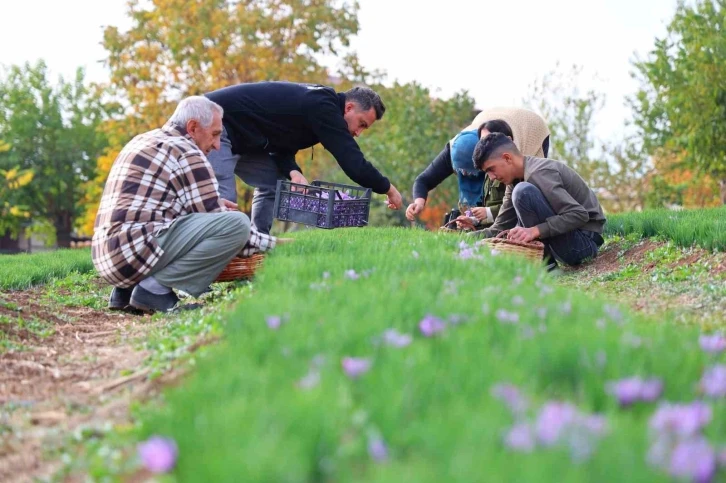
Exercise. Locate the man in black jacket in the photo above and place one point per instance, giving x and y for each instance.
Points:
(266, 123)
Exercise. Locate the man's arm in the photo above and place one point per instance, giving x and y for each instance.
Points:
(258, 242)
(435, 173)
(327, 123)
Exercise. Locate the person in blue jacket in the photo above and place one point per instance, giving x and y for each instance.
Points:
(267, 123)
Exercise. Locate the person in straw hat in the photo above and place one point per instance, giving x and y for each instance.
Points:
(545, 200)
(161, 224)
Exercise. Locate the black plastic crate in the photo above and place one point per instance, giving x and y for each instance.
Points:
(322, 204)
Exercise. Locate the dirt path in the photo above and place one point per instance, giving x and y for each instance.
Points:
(683, 284)
(86, 372)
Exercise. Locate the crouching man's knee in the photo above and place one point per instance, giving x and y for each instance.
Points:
(524, 193)
(237, 225)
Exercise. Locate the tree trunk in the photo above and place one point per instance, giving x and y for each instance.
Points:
(722, 185)
(63, 229)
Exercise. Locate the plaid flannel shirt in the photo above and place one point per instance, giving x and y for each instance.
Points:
(158, 177)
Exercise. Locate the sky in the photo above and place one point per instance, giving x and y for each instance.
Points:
(493, 49)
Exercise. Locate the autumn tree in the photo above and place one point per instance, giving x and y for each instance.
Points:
(177, 48)
(615, 170)
(680, 108)
(49, 132)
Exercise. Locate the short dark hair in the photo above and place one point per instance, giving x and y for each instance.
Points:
(496, 125)
(366, 98)
(492, 146)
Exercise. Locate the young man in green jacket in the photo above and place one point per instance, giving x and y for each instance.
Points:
(545, 200)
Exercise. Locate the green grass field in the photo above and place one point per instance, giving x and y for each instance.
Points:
(24, 270)
(276, 404)
(705, 228)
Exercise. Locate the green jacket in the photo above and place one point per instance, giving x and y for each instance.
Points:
(493, 195)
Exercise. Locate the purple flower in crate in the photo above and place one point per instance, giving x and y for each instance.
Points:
(158, 454)
(377, 449)
(520, 438)
(713, 343)
(511, 396)
(431, 325)
(683, 420)
(273, 321)
(355, 367)
(394, 338)
(713, 382)
(694, 459)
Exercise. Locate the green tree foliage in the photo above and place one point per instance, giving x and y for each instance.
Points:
(51, 131)
(681, 105)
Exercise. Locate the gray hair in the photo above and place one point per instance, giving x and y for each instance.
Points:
(366, 98)
(195, 107)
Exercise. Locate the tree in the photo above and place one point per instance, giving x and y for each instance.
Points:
(177, 48)
(52, 136)
(681, 106)
(616, 170)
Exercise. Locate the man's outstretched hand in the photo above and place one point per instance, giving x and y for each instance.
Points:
(394, 200)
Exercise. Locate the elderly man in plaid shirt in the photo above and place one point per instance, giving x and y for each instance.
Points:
(162, 224)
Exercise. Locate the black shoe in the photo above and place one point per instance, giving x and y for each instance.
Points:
(120, 298)
(147, 302)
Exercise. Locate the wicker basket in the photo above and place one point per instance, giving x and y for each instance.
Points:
(241, 268)
(533, 251)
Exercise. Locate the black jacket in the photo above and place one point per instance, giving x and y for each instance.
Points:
(281, 118)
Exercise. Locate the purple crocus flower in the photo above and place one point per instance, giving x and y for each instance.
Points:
(651, 390)
(721, 457)
(713, 382)
(517, 300)
(627, 391)
(351, 275)
(466, 254)
(511, 396)
(682, 420)
(693, 459)
(309, 381)
(431, 325)
(394, 338)
(713, 344)
(506, 317)
(377, 449)
(158, 454)
(273, 321)
(552, 420)
(355, 367)
(520, 438)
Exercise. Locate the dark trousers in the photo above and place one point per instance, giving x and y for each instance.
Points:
(533, 209)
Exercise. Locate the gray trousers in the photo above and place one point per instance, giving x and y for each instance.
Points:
(255, 169)
(197, 247)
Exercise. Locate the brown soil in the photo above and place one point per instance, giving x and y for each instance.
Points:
(87, 372)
